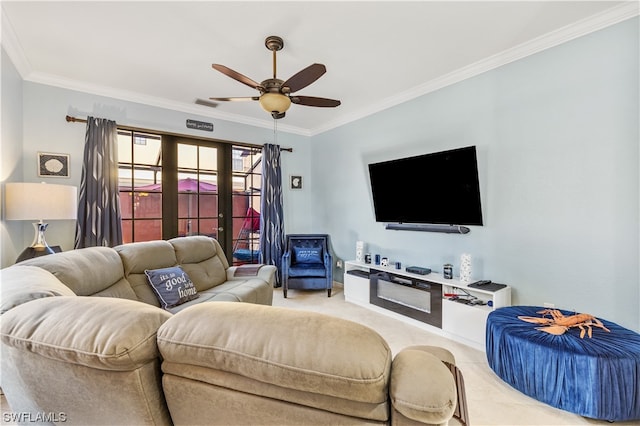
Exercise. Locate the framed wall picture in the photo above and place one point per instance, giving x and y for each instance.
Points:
(295, 182)
(53, 165)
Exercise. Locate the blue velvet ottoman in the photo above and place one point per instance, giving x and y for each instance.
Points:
(596, 377)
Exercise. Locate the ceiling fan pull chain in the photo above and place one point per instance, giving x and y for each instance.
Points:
(275, 131)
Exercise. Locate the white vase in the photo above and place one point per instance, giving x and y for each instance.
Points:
(359, 251)
(465, 268)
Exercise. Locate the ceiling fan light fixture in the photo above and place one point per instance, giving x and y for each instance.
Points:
(275, 102)
(274, 93)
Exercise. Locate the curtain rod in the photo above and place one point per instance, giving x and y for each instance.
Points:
(71, 119)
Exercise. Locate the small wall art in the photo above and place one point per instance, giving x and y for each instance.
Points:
(295, 182)
(53, 165)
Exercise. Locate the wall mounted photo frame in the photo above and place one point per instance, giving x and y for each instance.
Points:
(295, 182)
(53, 165)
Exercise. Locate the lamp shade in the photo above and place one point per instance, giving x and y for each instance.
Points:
(40, 201)
(277, 102)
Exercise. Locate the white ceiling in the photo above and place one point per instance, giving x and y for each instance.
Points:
(377, 54)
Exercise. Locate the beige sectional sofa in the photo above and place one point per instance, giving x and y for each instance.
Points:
(120, 272)
(117, 358)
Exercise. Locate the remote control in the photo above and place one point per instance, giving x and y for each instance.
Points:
(482, 282)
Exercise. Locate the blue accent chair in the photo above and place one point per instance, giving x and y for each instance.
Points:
(306, 263)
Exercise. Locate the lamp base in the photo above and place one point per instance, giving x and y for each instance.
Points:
(39, 247)
(31, 252)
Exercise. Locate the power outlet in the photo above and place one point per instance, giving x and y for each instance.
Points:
(548, 305)
(338, 263)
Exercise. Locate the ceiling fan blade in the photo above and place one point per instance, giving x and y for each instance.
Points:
(236, 75)
(303, 78)
(245, 98)
(315, 102)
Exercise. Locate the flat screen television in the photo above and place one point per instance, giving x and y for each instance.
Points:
(439, 188)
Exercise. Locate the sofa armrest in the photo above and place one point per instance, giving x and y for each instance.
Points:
(328, 263)
(266, 273)
(422, 387)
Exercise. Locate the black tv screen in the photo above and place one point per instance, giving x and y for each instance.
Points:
(438, 188)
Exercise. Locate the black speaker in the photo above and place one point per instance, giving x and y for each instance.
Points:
(448, 229)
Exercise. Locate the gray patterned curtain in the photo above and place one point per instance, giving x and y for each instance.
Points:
(99, 219)
(271, 210)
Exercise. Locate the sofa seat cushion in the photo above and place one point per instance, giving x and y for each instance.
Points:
(307, 270)
(352, 362)
(105, 334)
(204, 296)
(254, 290)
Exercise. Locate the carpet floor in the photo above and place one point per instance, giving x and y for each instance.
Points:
(490, 400)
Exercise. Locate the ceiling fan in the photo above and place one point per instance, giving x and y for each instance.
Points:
(276, 96)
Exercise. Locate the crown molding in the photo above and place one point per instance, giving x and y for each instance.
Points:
(14, 50)
(570, 32)
(12, 46)
(124, 95)
(562, 35)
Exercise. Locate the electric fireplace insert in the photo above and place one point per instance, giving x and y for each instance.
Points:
(412, 297)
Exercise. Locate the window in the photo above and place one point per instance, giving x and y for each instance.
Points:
(247, 180)
(197, 190)
(201, 188)
(140, 182)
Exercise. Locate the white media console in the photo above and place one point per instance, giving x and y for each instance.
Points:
(461, 322)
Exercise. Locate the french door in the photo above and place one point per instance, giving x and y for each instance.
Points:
(176, 186)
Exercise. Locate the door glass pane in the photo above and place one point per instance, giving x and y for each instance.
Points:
(208, 227)
(127, 230)
(197, 190)
(198, 202)
(208, 205)
(247, 169)
(208, 159)
(147, 230)
(187, 157)
(140, 185)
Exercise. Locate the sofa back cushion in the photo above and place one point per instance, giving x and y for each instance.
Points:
(93, 358)
(139, 257)
(100, 333)
(92, 271)
(350, 362)
(21, 284)
(202, 259)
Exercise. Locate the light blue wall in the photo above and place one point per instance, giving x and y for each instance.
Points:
(10, 156)
(557, 137)
(43, 108)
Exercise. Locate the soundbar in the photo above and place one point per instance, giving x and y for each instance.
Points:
(448, 229)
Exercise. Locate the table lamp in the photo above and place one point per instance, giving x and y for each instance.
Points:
(38, 201)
